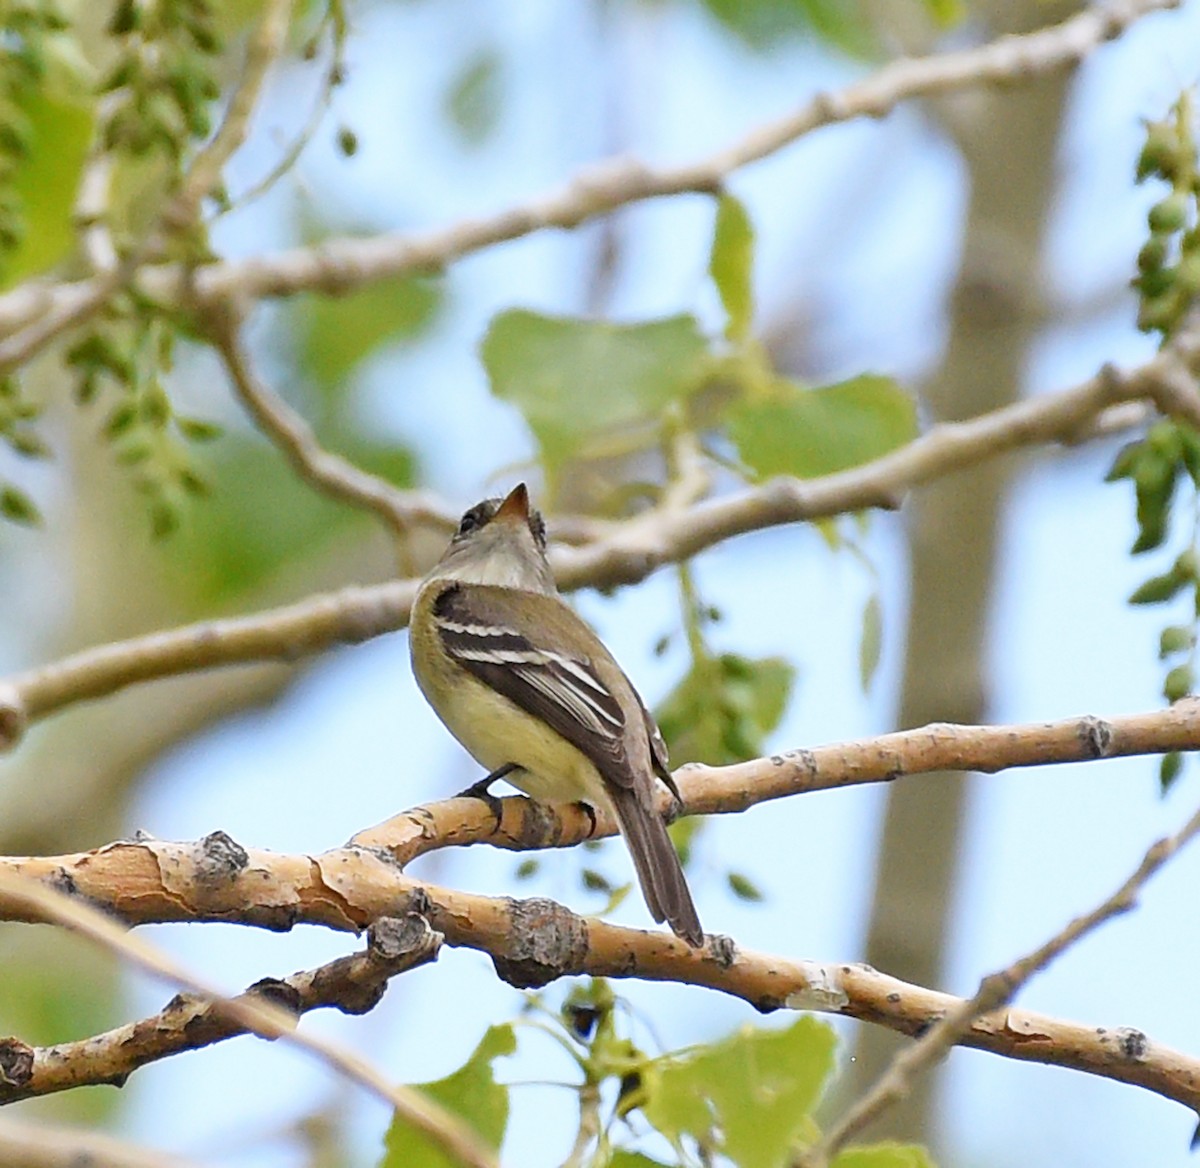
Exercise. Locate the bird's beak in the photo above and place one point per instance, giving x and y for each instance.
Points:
(515, 508)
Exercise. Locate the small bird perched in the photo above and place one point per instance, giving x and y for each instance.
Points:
(531, 692)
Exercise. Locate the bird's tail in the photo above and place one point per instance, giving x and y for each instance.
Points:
(657, 865)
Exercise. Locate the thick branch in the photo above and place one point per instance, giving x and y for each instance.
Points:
(534, 942)
(343, 264)
(254, 1013)
(616, 553)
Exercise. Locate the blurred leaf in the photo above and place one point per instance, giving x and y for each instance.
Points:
(810, 432)
(595, 881)
(18, 507)
(473, 100)
(45, 181)
(56, 990)
(871, 644)
(472, 1093)
(574, 379)
(762, 24)
(1178, 683)
(336, 333)
(198, 429)
(724, 708)
(683, 834)
(885, 1155)
(1169, 770)
(743, 887)
(1155, 484)
(731, 265)
(1158, 589)
(261, 517)
(750, 1094)
(1175, 639)
(624, 1159)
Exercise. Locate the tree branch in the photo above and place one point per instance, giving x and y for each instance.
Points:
(250, 1012)
(729, 790)
(329, 473)
(204, 173)
(345, 617)
(995, 991)
(37, 1145)
(533, 942)
(353, 985)
(343, 264)
(612, 553)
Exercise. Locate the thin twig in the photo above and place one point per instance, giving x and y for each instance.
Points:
(329, 473)
(995, 991)
(204, 173)
(343, 264)
(252, 1012)
(38, 1145)
(334, 73)
(63, 313)
(353, 984)
(92, 208)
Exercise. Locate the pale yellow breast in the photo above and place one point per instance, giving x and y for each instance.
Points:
(494, 731)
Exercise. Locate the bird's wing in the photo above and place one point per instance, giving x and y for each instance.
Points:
(546, 661)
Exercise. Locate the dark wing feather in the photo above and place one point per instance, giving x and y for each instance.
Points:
(561, 689)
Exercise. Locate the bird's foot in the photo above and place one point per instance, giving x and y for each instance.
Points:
(480, 790)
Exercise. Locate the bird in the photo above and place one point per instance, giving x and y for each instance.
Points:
(531, 692)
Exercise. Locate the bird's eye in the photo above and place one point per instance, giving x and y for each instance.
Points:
(478, 516)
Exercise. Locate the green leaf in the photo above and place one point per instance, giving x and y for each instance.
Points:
(750, 1094)
(1175, 639)
(724, 708)
(198, 429)
(871, 644)
(625, 1159)
(885, 1155)
(731, 265)
(45, 182)
(18, 507)
(1169, 770)
(946, 13)
(261, 519)
(1158, 589)
(473, 101)
(470, 1092)
(1178, 683)
(1125, 462)
(577, 380)
(336, 333)
(1154, 478)
(810, 432)
(743, 887)
(763, 24)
